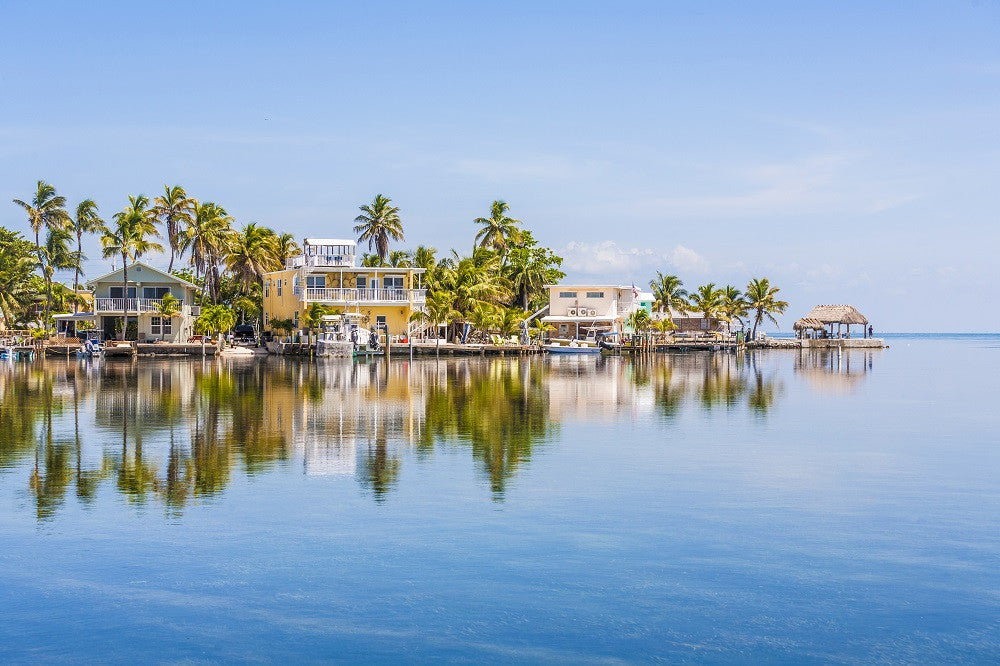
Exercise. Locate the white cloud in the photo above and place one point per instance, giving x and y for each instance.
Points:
(607, 258)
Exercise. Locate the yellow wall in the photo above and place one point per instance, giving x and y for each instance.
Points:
(285, 306)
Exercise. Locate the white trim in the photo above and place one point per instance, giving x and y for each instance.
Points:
(104, 278)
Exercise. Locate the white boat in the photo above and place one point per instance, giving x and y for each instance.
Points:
(238, 352)
(574, 347)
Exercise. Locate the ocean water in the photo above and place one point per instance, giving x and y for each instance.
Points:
(778, 506)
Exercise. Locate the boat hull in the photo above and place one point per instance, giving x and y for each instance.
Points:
(559, 349)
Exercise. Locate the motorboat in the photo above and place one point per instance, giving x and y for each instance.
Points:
(572, 347)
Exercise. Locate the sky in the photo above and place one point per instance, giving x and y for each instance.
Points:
(848, 151)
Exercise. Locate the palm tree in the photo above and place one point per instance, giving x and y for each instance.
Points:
(168, 308)
(498, 231)
(17, 266)
(378, 222)
(760, 296)
(129, 239)
(47, 210)
(400, 259)
(87, 222)
(58, 256)
(707, 300)
(206, 235)
(668, 295)
(733, 306)
(439, 308)
(250, 254)
(173, 209)
(286, 248)
(528, 271)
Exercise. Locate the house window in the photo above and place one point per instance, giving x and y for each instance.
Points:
(279, 287)
(267, 288)
(595, 294)
(380, 322)
(161, 325)
(267, 319)
(295, 321)
(392, 282)
(316, 281)
(567, 294)
(295, 284)
(361, 282)
(116, 292)
(155, 292)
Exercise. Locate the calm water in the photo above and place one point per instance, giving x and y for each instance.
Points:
(780, 507)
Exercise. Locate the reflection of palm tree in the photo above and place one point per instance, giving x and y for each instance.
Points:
(381, 471)
(762, 394)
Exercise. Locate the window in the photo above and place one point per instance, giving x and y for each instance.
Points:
(279, 287)
(295, 321)
(267, 288)
(161, 325)
(295, 284)
(116, 292)
(380, 322)
(267, 320)
(316, 281)
(595, 294)
(155, 292)
(567, 294)
(361, 282)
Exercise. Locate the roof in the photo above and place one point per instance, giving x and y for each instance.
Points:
(835, 314)
(144, 267)
(70, 316)
(329, 241)
(806, 324)
(587, 286)
(559, 319)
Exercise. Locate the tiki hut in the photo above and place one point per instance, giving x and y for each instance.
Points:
(823, 316)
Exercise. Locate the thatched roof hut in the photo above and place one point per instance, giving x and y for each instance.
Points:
(822, 316)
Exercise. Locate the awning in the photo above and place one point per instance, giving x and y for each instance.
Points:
(79, 316)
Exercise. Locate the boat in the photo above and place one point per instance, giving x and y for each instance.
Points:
(574, 347)
(90, 348)
(237, 352)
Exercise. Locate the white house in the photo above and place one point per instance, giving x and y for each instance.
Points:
(141, 299)
(575, 311)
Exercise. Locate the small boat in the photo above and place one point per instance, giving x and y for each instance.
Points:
(237, 352)
(574, 347)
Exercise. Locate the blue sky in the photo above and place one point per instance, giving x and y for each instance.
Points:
(848, 151)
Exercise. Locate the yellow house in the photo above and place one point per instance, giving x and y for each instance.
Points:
(325, 273)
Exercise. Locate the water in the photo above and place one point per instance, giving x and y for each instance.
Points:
(780, 507)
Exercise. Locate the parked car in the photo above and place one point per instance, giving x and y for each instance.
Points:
(243, 333)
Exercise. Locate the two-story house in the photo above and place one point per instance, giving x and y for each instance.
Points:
(140, 301)
(576, 311)
(326, 273)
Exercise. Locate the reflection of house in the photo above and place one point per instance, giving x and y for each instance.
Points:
(325, 273)
(577, 310)
(140, 300)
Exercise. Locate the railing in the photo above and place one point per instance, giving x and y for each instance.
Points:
(130, 304)
(344, 260)
(366, 295)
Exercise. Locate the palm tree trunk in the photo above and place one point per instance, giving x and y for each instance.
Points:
(76, 276)
(125, 302)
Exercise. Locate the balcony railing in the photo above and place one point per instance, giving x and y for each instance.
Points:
(366, 295)
(313, 260)
(131, 304)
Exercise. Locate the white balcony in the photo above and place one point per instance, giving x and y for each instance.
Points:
(311, 261)
(365, 295)
(132, 305)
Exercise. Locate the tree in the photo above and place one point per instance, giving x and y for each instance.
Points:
(58, 256)
(762, 301)
(732, 305)
(498, 230)
(250, 254)
(668, 296)
(707, 300)
(174, 210)
(285, 248)
(129, 239)
(17, 264)
(639, 320)
(168, 308)
(399, 259)
(207, 235)
(87, 222)
(529, 268)
(439, 309)
(215, 319)
(379, 221)
(47, 210)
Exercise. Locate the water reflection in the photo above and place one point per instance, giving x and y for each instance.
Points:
(170, 432)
